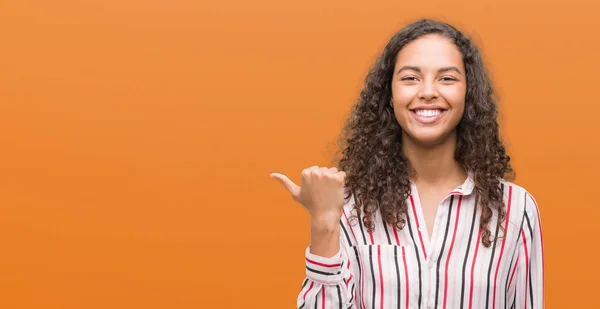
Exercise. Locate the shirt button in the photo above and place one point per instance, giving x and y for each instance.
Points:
(422, 228)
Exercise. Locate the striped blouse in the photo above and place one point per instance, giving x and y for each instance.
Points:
(391, 268)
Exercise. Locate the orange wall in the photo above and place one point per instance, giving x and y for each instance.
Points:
(136, 140)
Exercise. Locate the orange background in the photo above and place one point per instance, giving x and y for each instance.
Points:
(136, 140)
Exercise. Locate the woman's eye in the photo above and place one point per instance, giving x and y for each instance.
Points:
(409, 78)
(448, 78)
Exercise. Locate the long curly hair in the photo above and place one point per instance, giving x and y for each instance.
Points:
(370, 146)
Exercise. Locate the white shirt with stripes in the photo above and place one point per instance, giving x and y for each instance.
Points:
(391, 268)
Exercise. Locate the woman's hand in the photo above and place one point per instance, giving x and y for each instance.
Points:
(321, 191)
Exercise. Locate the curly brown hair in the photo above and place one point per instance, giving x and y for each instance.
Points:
(370, 146)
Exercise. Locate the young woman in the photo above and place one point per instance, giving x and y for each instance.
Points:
(420, 212)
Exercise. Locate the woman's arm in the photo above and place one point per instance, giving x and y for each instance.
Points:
(329, 281)
(529, 291)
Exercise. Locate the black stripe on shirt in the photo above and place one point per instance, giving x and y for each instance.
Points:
(386, 230)
(397, 274)
(360, 223)
(529, 225)
(350, 243)
(322, 272)
(514, 300)
(346, 233)
(462, 290)
(487, 295)
(507, 279)
(417, 254)
(439, 261)
(530, 246)
(518, 239)
(372, 274)
(522, 220)
(339, 296)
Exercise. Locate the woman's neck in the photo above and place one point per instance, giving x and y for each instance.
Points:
(434, 165)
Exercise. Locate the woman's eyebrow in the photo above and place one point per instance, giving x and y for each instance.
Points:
(417, 69)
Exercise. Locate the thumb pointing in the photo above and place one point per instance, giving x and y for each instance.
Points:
(293, 188)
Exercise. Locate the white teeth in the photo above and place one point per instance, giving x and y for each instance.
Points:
(428, 112)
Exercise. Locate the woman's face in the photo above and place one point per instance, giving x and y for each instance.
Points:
(428, 89)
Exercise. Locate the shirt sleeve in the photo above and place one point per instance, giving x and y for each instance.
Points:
(329, 283)
(529, 293)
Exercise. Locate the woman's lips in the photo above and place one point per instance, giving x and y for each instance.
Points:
(428, 116)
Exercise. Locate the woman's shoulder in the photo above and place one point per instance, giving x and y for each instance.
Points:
(514, 189)
(519, 200)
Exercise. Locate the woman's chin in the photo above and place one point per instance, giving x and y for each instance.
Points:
(429, 139)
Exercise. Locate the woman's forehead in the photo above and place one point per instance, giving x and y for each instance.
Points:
(430, 52)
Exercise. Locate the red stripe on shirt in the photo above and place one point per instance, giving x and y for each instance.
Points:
(322, 264)
(405, 275)
(526, 265)
(362, 279)
(309, 288)
(396, 235)
(503, 243)
(412, 202)
(380, 274)
(473, 269)
(450, 250)
(350, 278)
(323, 297)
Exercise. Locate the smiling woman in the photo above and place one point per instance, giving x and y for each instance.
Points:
(420, 211)
(428, 89)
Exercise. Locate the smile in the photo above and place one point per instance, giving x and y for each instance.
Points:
(428, 116)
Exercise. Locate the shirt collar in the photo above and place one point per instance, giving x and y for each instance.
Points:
(466, 188)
